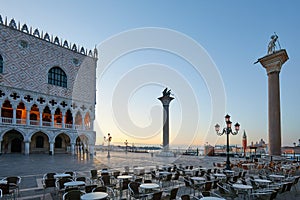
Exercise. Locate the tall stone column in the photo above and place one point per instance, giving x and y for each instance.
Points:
(52, 148)
(27, 146)
(273, 63)
(165, 100)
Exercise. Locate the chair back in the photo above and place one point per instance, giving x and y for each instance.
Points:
(81, 178)
(208, 185)
(72, 195)
(157, 195)
(100, 189)
(94, 174)
(105, 179)
(50, 182)
(185, 197)
(62, 181)
(89, 188)
(4, 188)
(49, 175)
(134, 187)
(13, 180)
(173, 193)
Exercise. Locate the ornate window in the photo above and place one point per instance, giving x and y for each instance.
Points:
(1, 64)
(57, 76)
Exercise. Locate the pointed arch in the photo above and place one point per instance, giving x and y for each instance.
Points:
(47, 119)
(13, 142)
(58, 118)
(62, 143)
(78, 120)
(34, 115)
(7, 112)
(87, 121)
(68, 119)
(21, 113)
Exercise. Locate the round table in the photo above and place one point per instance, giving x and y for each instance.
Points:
(94, 196)
(211, 198)
(276, 177)
(221, 176)
(74, 183)
(248, 188)
(196, 178)
(148, 186)
(62, 175)
(124, 177)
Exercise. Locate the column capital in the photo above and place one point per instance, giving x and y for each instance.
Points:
(273, 62)
(165, 100)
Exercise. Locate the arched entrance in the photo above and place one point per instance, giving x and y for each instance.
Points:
(13, 142)
(62, 144)
(16, 145)
(39, 143)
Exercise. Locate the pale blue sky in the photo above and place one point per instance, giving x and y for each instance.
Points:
(233, 33)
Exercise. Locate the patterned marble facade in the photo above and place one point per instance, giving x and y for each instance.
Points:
(47, 93)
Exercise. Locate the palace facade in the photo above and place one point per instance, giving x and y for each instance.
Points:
(47, 92)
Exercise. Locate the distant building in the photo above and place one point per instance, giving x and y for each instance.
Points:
(47, 92)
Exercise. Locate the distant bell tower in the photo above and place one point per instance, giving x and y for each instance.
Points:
(244, 143)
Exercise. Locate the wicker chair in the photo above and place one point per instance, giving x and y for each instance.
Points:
(73, 195)
(134, 192)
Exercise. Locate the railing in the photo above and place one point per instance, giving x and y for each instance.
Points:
(58, 125)
(46, 123)
(7, 120)
(34, 123)
(20, 121)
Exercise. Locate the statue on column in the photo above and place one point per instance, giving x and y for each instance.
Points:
(272, 44)
(166, 92)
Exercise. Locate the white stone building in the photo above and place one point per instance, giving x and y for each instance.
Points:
(47, 92)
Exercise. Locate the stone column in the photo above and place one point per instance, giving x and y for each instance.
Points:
(41, 119)
(14, 120)
(27, 117)
(165, 100)
(273, 63)
(72, 148)
(52, 147)
(27, 145)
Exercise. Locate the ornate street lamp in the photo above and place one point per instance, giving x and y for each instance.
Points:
(108, 140)
(227, 131)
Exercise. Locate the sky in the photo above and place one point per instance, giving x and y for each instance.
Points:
(202, 50)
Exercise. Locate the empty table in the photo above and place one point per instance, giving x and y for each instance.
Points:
(148, 186)
(94, 196)
(243, 187)
(62, 175)
(211, 198)
(196, 178)
(74, 184)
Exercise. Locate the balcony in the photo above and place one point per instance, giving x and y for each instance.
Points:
(36, 123)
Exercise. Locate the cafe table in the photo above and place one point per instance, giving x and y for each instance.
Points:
(212, 198)
(62, 175)
(74, 184)
(262, 181)
(196, 178)
(148, 187)
(243, 187)
(94, 196)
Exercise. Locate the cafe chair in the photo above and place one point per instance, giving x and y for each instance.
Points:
(14, 183)
(134, 192)
(48, 183)
(5, 192)
(73, 195)
(172, 195)
(157, 195)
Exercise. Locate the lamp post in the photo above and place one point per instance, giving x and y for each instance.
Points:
(108, 140)
(126, 145)
(227, 131)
